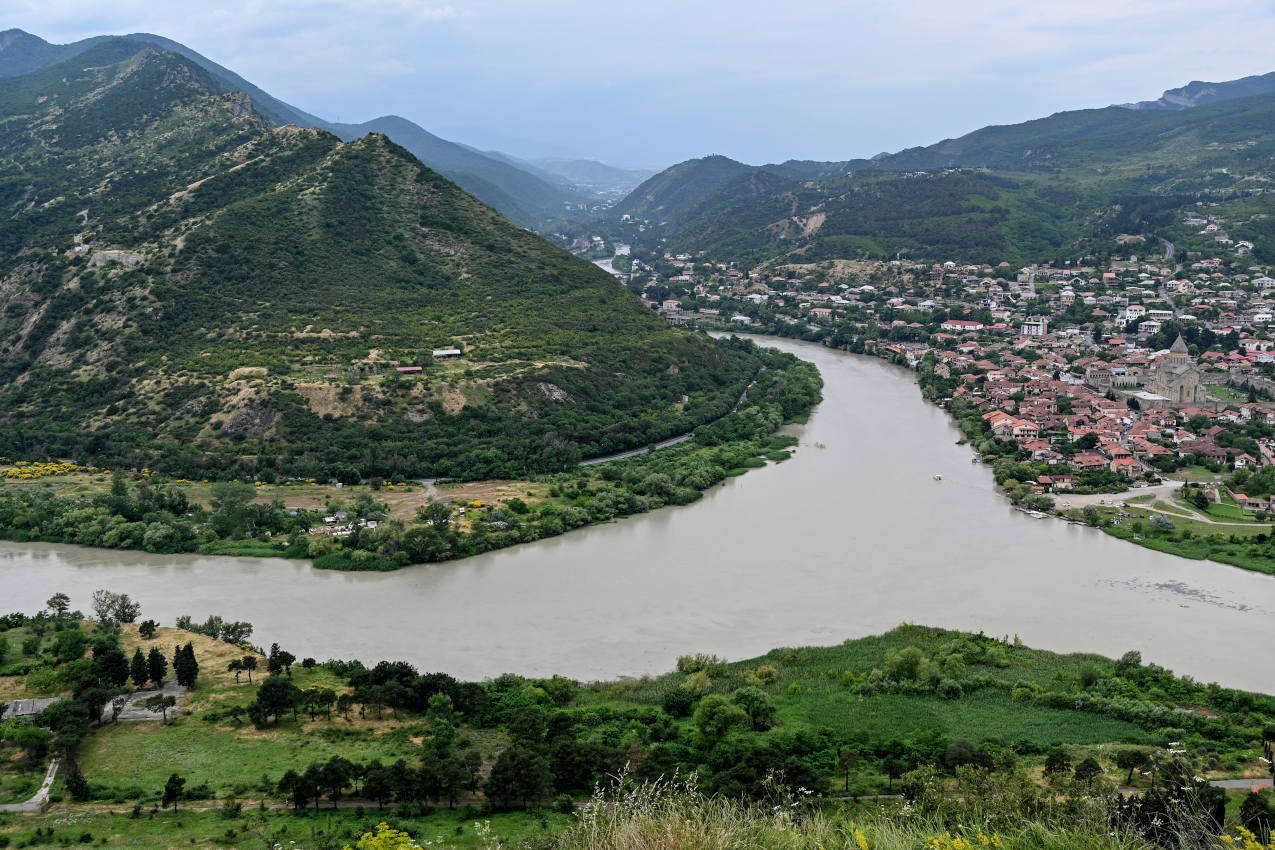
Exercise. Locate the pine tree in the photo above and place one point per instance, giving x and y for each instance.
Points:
(185, 667)
(156, 666)
(76, 785)
(137, 669)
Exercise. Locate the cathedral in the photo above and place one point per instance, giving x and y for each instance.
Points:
(1176, 377)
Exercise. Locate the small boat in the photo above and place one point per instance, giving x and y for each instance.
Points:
(938, 477)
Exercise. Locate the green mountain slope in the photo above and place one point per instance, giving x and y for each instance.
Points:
(520, 194)
(669, 195)
(523, 197)
(185, 287)
(1061, 186)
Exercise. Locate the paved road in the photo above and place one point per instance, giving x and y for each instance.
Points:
(1161, 491)
(635, 452)
(743, 397)
(1242, 783)
(41, 797)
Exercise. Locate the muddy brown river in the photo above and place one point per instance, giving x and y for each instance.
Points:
(850, 537)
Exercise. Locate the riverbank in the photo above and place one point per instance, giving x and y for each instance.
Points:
(848, 537)
(917, 705)
(1018, 476)
(393, 524)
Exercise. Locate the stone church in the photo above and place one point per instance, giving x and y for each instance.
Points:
(1176, 377)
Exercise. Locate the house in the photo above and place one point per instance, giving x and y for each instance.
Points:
(961, 325)
(446, 353)
(1126, 466)
(1087, 460)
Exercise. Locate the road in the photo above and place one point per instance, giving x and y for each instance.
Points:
(41, 797)
(743, 397)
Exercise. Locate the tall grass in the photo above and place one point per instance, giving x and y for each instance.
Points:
(674, 815)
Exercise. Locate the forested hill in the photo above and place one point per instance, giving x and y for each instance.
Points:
(521, 195)
(1058, 187)
(184, 287)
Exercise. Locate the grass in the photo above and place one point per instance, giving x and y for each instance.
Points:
(978, 717)
(1225, 393)
(132, 760)
(1193, 473)
(812, 691)
(185, 827)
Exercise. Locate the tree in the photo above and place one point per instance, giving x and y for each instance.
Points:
(235, 666)
(277, 695)
(59, 604)
(716, 717)
(376, 784)
(249, 664)
(147, 629)
(156, 666)
(279, 661)
(117, 706)
(336, 774)
(1130, 760)
(69, 644)
(173, 790)
(110, 665)
(185, 667)
(521, 773)
(159, 704)
(1057, 763)
(848, 760)
(1088, 770)
(76, 784)
(114, 607)
(137, 669)
(756, 703)
(296, 788)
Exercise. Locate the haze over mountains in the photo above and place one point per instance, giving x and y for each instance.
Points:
(525, 194)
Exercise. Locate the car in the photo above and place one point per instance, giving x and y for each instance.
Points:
(1064, 504)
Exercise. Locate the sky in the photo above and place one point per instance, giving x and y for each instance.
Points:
(651, 83)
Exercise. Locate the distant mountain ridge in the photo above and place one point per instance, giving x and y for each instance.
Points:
(1056, 186)
(522, 196)
(1197, 93)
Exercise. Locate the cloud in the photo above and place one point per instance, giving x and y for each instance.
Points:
(666, 79)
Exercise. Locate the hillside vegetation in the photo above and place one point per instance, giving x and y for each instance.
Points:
(988, 743)
(1055, 188)
(184, 287)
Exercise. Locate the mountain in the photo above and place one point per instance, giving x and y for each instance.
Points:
(186, 287)
(523, 197)
(1196, 93)
(669, 195)
(1061, 186)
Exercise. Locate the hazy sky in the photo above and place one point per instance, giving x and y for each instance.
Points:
(652, 82)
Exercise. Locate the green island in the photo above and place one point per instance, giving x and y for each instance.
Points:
(916, 736)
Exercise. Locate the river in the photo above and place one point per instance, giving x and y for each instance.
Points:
(850, 537)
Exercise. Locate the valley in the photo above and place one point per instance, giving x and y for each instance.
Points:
(360, 488)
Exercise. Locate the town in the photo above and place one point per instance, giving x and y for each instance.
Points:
(1135, 394)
